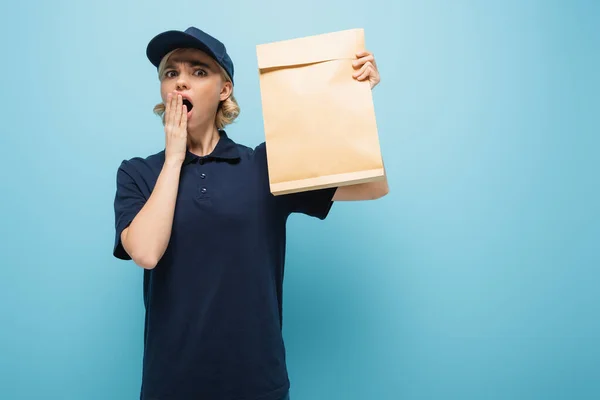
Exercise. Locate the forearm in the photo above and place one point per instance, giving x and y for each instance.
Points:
(363, 191)
(148, 235)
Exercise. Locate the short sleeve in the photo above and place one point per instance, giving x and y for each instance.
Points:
(128, 201)
(314, 203)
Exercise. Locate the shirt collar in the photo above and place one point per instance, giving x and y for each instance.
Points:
(226, 149)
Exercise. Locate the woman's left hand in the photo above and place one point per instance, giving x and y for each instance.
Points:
(366, 68)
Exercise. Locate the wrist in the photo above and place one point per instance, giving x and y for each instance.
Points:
(171, 163)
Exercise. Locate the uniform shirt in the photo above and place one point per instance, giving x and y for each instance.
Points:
(213, 322)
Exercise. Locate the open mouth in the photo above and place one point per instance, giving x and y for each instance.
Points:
(188, 104)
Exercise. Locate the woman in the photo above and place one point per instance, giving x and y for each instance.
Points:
(198, 216)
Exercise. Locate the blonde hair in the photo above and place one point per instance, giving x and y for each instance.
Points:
(228, 109)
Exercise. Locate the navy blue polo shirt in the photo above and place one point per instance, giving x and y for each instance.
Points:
(213, 323)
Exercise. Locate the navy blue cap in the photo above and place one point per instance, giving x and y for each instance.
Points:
(193, 38)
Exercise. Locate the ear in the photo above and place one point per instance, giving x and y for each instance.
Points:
(226, 90)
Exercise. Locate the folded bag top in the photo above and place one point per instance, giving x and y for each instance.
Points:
(311, 49)
(320, 127)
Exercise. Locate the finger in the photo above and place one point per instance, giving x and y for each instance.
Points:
(178, 107)
(363, 60)
(363, 53)
(362, 70)
(183, 119)
(168, 109)
(366, 73)
(173, 108)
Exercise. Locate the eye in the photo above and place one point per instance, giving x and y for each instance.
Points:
(200, 72)
(170, 74)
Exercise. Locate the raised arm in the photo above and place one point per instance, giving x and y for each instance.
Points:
(366, 69)
(147, 237)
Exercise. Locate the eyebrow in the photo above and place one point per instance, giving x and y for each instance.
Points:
(190, 62)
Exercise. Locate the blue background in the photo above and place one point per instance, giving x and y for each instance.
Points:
(476, 278)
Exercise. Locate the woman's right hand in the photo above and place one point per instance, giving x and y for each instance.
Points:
(175, 129)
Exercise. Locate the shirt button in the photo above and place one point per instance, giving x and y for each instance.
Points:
(202, 176)
(203, 190)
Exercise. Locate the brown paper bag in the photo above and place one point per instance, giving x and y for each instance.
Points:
(320, 128)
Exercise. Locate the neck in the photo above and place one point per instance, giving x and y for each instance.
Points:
(202, 140)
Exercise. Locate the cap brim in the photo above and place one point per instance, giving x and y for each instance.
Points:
(165, 42)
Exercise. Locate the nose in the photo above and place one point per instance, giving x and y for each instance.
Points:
(182, 82)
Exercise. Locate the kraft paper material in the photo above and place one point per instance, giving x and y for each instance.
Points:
(320, 126)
